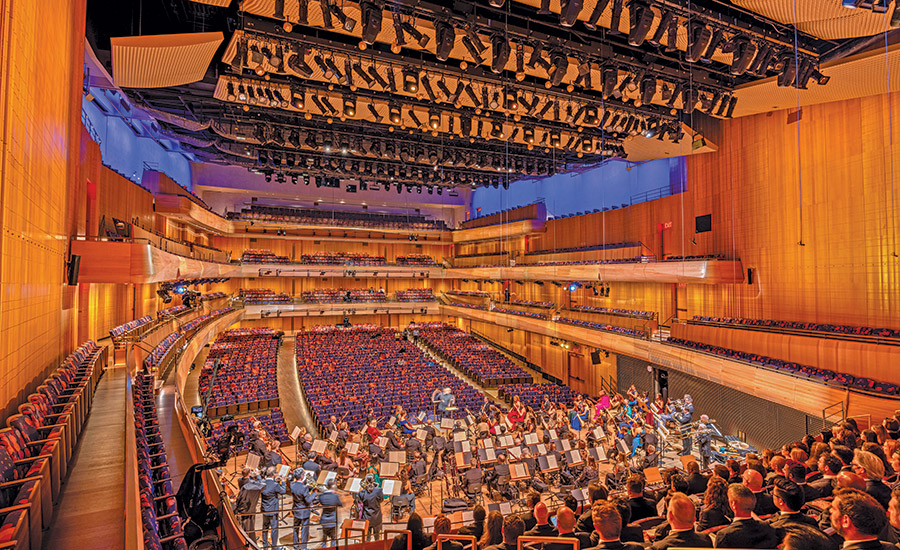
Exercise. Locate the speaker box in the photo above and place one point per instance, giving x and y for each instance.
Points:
(749, 275)
(72, 268)
(703, 224)
(595, 357)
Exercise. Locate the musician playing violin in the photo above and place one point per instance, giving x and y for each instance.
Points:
(405, 424)
(517, 412)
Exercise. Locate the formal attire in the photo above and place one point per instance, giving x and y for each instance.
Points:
(873, 544)
(618, 545)
(641, 507)
(784, 520)
(764, 505)
(879, 491)
(686, 538)
(269, 506)
(539, 530)
(245, 503)
(713, 517)
(331, 503)
(747, 533)
(476, 530)
(824, 486)
(697, 483)
(371, 501)
(302, 500)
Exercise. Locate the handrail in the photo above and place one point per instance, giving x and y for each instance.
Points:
(801, 332)
(576, 544)
(166, 245)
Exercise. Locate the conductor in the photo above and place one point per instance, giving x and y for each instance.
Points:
(444, 400)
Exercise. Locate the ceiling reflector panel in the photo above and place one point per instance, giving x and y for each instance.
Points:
(162, 60)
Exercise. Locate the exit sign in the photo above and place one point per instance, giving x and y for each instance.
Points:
(664, 225)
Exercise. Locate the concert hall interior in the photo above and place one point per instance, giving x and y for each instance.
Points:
(297, 274)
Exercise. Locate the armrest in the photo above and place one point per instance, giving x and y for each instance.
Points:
(15, 508)
(157, 467)
(42, 442)
(28, 461)
(50, 426)
(166, 539)
(18, 482)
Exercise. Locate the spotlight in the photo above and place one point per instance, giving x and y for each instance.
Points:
(568, 12)
(445, 35)
(666, 21)
(610, 79)
(417, 36)
(428, 89)
(555, 138)
(788, 73)
(349, 105)
(242, 93)
(298, 99)
(434, 120)
(520, 61)
(410, 81)
(744, 50)
(500, 51)
(528, 134)
(373, 70)
(473, 51)
(496, 3)
(641, 21)
(326, 71)
(297, 63)
(717, 38)
(615, 19)
(400, 36)
(648, 89)
(372, 17)
(559, 64)
(347, 22)
(375, 114)
(699, 37)
(587, 144)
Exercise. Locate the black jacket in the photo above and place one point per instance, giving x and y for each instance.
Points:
(747, 533)
(712, 517)
(697, 483)
(641, 507)
(679, 539)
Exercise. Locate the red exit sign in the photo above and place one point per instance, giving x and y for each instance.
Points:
(664, 225)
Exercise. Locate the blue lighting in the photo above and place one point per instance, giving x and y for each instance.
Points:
(574, 286)
(180, 289)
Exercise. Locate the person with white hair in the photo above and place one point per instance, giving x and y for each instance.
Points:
(444, 399)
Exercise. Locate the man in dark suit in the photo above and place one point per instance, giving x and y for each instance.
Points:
(858, 518)
(788, 498)
(744, 531)
(696, 481)
(476, 529)
(764, 505)
(829, 465)
(641, 506)
(331, 503)
(565, 527)
(681, 516)
(269, 505)
(247, 499)
(531, 501)
(513, 528)
(302, 499)
(608, 524)
(596, 491)
(543, 528)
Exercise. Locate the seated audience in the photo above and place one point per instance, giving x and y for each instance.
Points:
(681, 516)
(608, 524)
(745, 531)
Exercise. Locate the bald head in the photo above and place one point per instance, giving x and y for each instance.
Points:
(850, 480)
(681, 512)
(565, 520)
(752, 480)
(541, 514)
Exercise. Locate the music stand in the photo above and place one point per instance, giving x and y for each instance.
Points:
(574, 458)
(518, 471)
(487, 456)
(391, 487)
(397, 456)
(388, 469)
(548, 464)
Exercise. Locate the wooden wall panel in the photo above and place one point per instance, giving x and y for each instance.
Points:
(122, 199)
(40, 105)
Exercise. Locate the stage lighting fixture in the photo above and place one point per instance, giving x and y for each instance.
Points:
(229, 92)
(615, 19)
(471, 93)
(699, 37)
(500, 51)
(434, 120)
(329, 61)
(547, 106)
(414, 32)
(590, 115)
(297, 63)
(347, 22)
(410, 81)
(372, 17)
(572, 287)
(520, 61)
(415, 119)
(648, 89)
(689, 100)
(568, 12)
(473, 51)
(349, 105)
(641, 20)
(268, 177)
(732, 103)
(375, 114)
(280, 100)
(442, 86)
(679, 88)
(256, 56)
(744, 50)
(242, 93)
(240, 56)
(325, 6)
(536, 59)
(717, 40)
(587, 144)
(510, 100)
(399, 35)
(788, 64)
(610, 79)
(326, 71)
(555, 138)
(496, 3)
(426, 84)
(327, 102)
(445, 35)
(584, 74)
(497, 130)
(559, 64)
(599, 7)
(373, 70)
(360, 72)
(164, 296)
(495, 101)
(667, 19)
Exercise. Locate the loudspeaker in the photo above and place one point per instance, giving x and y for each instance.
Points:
(662, 380)
(703, 224)
(72, 268)
(595, 357)
(749, 275)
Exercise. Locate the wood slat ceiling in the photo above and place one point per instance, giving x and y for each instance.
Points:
(162, 60)
(826, 19)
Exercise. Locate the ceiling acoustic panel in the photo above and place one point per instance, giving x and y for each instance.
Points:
(220, 3)
(825, 19)
(162, 60)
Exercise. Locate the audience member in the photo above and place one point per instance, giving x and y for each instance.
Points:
(513, 528)
(745, 531)
(858, 519)
(764, 504)
(788, 498)
(608, 524)
(641, 506)
(681, 516)
(543, 528)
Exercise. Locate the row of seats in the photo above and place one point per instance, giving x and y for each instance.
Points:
(121, 330)
(821, 375)
(196, 323)
(247, 368)
(341, 258)
(608, 246)
(263, 296)
(341, 218)
(351, 371)
(468, 293)
(693, 258)
(634, 260)
(470, 306)
(169, 311)
(474, 358)
(480, 254)
(159, 510)
(38, 442)
(530, 303)
(616, 311)
(799, 325)
(605, 327)
(533, 394)
(212, 296)
(263, 257)
(416, 260)
(415, 295)
(154, 359)
(531, 314)
(338, 295)
(272, 422)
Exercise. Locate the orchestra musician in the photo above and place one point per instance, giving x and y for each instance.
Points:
(579, 417)
(684, 418)
(332, 425)
(444, 400)
(405, 424)
(517, 413)
(704, 441)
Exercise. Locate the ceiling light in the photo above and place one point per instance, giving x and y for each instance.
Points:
(500, 51)
(667, 20)
(587, 144)
(360, 72)
(417, 36)
(495, 101)
(325, 6)
(297, 63)
(473, 51)
(229, 92)
(242, 93)
(349, 105)
(788, 72)
(679, 88)
(414, 118)
(329, 61)
(394, 114)
(373, 70)
(648, 89)
(399, 35)
(641, 21)
(445, 35)
(434, 120)
(610, 79)
(520, 61)
(372, 17)
(559, 64)
(743, 53)
(348, 23)
(536, 59)
(326, 71)
(590, 115)
(717, 39)
(429, 90)
(410, 81)
(528, 134)
(555, 138)
(497, 130)
(615, 19)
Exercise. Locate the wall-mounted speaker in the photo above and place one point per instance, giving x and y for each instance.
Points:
(749, 275)
(72, 268)
(595, 357)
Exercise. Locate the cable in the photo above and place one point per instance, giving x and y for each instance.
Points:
(799, 166)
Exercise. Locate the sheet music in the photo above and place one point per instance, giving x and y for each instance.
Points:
(574, 457)
(506, 441)
(601, 454)
(468, 516)
(598, 432)
(565, 445)
(553, 435)
(421, 435)
(487, 443)
(489, 455)
(325, 475)
(515, 451)
(358, 524)
(333, 437)
(446, 423)
(295, 433)
(319, 446)
(531, 439)
(459, 436)
(392, 421)
(580, 495)
(466, 446)
(391, 487)
(283, 471)
(381, 441)
(505, 508)
(252, 461)
(388, 469)
(355, 485)
(397, 456)
(353, 449)
(541, 449)
(422, 416)
(551, 462)
(428, 522)
(518, 470)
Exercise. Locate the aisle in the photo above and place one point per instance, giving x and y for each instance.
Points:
(293, 403)
(91, 508)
